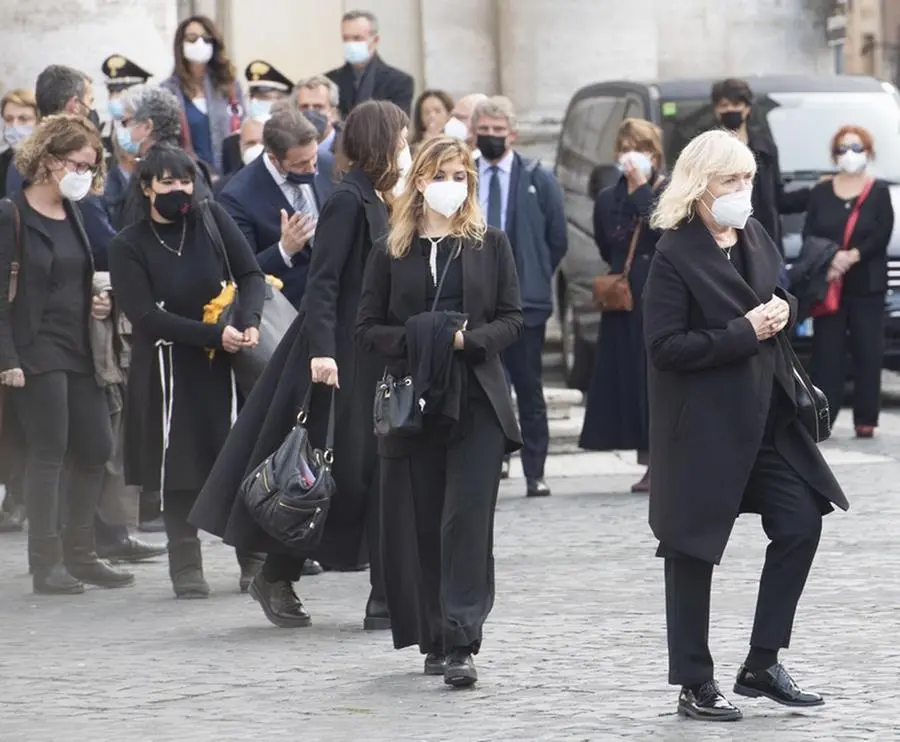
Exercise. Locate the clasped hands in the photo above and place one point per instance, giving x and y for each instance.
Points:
(843, 261)
(770, 318)
(234, 341)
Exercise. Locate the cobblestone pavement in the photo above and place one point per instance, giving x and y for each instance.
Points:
(575, 648)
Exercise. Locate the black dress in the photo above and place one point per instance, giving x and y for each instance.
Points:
(181, 391)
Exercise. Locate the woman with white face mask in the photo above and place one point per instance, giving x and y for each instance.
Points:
(440, 302)
(726, 436)
(206, 84)
(46, 364)
(854, 213)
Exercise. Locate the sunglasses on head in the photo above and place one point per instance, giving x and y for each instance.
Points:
(845, 148)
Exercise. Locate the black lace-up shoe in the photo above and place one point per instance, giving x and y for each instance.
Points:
(776, 684)
(707, 703)
(280, 603)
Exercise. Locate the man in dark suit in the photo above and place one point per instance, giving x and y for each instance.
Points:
(275, 200)
(523, 199)
(266, 87)
(366, 76)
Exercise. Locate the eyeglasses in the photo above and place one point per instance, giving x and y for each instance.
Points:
(80, 167)
(192, 37)
(845, 148)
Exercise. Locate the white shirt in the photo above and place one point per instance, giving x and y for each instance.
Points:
(290, 192)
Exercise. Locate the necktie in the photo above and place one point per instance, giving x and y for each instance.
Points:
(300, 200)
(495, 205)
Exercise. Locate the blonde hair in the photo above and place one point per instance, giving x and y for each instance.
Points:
(640, 134)
(59, 136)
(408, 212)
(19, 97)
(712, 153)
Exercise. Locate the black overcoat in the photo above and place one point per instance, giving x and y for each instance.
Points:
(350, 222)
(395, 290)
(710, 388)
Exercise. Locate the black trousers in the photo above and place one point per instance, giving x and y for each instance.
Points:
(177, 506)
(63, 415)
(438, 532)
(283, 567)
(524, 367)
(792, 520)
(858, 326)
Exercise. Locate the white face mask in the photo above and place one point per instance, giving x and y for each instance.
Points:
(853, 162)
(199, 51)
(252, 152)
(75, 186)
(640, 161)
(446, 196)
(404, 160)
(733, 209)
(456, 128)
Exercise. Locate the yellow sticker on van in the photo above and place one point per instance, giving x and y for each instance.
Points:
(669, 108)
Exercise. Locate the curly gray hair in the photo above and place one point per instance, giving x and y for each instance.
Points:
(158, 106)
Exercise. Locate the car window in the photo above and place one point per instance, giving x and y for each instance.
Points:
(588, 139)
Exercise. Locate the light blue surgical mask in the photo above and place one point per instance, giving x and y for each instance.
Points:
(116, 109)
(13, 135)
(260, 110)
(640, 160)
(125, 142)
(356, 52)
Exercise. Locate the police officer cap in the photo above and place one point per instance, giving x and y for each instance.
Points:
(122, 73)
(262, 77)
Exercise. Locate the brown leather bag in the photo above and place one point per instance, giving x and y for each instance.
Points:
(612, 291)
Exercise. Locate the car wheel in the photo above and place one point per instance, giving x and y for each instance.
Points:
(578, 355)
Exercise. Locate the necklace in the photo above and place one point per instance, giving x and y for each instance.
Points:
(727, 251)
(162, 242)
(432, 258)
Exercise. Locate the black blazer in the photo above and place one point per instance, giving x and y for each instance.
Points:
(394, 290)
(710, 385)
(379, 82)
(20, 322)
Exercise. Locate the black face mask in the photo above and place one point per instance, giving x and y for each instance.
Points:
(732, 120)
(300, 178)
(174, 205)
(491, 147)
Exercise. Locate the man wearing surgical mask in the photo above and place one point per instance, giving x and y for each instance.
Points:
(460, 124)
(732, 100)
(523, 199)
(365, 75)
(19, 113)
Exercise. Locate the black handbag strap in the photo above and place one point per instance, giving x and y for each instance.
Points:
(303, 416)
(215, 234)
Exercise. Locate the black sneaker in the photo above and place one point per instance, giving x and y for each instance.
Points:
(434, 663)
(459, 671)
(707, 703)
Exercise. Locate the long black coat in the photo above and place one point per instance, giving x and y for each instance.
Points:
(615, 417)
(710, 387)
(350, 223)
(379, 82)
(394, 290)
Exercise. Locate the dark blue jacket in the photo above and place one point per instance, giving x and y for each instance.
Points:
(114, 194)
(536, 226)
(254, 200)
(96, 222)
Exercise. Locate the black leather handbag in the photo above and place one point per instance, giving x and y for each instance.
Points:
(289, 494)
(396, 410)
(812, 404)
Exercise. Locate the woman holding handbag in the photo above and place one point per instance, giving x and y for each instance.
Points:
(615, 416)
(440, 303)
(182, 395)
(854, 211)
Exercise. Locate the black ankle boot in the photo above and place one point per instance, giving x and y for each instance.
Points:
(49, 576)
(83, 563)
(250, 564)
(186, 569)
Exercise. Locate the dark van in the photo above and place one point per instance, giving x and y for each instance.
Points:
(801, 113)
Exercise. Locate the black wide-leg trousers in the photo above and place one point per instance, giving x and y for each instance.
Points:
(792, 520)
(438, 532)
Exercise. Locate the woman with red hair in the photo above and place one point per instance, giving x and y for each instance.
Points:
(853, 210)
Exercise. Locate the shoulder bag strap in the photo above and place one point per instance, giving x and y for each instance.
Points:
(212, 229)
(854, 215)
(632, 247)
(16, 265)
(303, 417)
(437, 294)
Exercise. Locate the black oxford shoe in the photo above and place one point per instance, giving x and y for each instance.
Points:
(707, 704)
(537, 488)
(378, 618)
(130, 550)
(434, 663)
(776, 684)
(459, 670)
(280, 603)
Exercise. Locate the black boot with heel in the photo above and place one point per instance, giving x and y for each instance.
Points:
(80, 554)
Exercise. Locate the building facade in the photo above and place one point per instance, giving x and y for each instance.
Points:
(865, 37)
(538, 52)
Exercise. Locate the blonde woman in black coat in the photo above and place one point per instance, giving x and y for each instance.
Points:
(443, 294)
(725, 437)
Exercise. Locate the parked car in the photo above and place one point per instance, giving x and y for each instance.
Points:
(801, 113)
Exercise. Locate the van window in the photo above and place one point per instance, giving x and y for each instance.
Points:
(586, 141)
